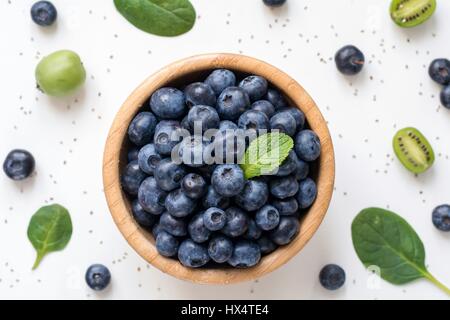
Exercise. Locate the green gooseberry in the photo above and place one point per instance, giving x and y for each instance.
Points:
(60, 73)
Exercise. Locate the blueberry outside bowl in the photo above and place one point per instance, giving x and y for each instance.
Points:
(178, 74)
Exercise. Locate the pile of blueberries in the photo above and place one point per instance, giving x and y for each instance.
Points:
(206, 214)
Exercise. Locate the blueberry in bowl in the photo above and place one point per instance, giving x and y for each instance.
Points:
(187, 206)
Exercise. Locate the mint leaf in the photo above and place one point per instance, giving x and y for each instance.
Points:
(266, 153)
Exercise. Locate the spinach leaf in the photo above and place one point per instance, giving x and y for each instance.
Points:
(384, 239)
(49, 230)
(161, 17)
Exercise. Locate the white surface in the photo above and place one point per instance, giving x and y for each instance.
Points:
(67, 137)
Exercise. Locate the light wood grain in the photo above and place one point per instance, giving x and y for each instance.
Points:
(190, 70)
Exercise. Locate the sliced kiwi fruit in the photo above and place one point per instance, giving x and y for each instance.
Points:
(413, 150)
(410, 13)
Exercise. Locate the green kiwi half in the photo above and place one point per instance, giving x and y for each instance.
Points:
(413, 150)
(410, 13)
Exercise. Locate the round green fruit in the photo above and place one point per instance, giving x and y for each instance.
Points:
(60, 73)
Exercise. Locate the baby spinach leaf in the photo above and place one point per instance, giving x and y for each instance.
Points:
(266, 153)
(161, 17)
(384, 239)
(49, 230)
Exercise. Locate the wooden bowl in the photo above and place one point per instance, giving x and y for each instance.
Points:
(178, 74)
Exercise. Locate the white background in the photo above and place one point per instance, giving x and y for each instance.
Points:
(67, 137)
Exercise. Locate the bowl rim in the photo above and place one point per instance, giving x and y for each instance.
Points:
(141, 241)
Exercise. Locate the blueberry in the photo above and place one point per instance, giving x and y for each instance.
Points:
(284, 122)
(264, 106)
(266, 245)
(156, 230)
(133, 153)
(253, 231)
(267, 218)
(307, 145)
(97, 277)
(439, 71)
(289, 165)
(276, 99)
(274, 3)
(132, 177)
(197, 229)
(445, 97)
(43, 13)
(169, 175)
(221, 79)
(220, 249)
(193, 186)
(148, 158)
(174, 226)
(192, 254)
(151, 197)
(441, 217)
(286, 207)
(298, 115)
(168, 103)
(192, 151)
(302, 170)
(246, 254)
(142, 217)
(206, 117)
(213, 199)
(214, 219)
(228, 179)
(167, 136)
(199, 93)
(227, 125)
(286, 231)
(332, 277)
(253, 120)
(232, 102)
(19, 164)
(349, 60)
(184, 123)
(179, 204)
(307, 193)
(237, 222)
(167, 244)
(255, 86)
(142, 128)
(284, 187)
(253, 196)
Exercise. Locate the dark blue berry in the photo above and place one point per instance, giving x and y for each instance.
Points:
(43, 13)
(220, 249)
(148, 158)
(133, 153)
(142, 128)
(445, 97)
(169, 175)
(307, 145)
(227, 125)
(264, 106)
(286, 231)
(179, 204)
(253, 120)
(246, 254)
(174, 226)
(98, 277)
(286, 207)
(298, 115)
(142, 217)
(151, 197)
(232, 102)
(132, 177)
(192, 254)
(253, 231)
(274, 3)
(439, 71)
(307, 193)
(192, 151)
(441, 217)
(237, 222)
(19, 164)
(197, 229)
(167, 136)
(253, 196)
(167, 244)
(267, 218)
(284, 187)
(266, 245)
(289, 165)
(185, 124)
(228, 179)
(221, 79)
(302, 170)
(199, 93)
(255, 86)
(156, 230)
(214, 199)
(193, 186)
(276, 99)
(214, 219)
(206, 118)
(332, 277)
(349, 60)
(285, 122)
(168, 103)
